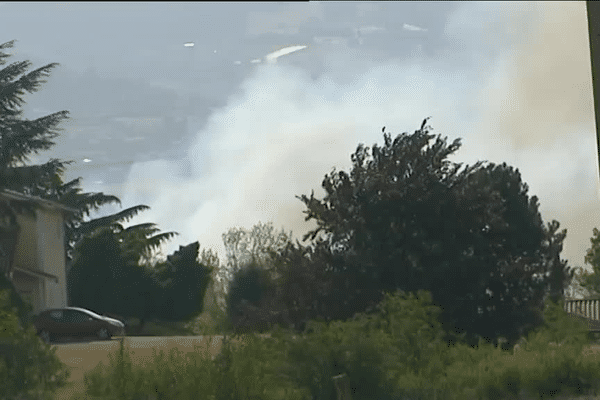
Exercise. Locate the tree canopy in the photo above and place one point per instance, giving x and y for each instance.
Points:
(590, 281)
(407, 218)
(20, 138)
(184, 279)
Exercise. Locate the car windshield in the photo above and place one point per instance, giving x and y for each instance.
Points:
(91, 313)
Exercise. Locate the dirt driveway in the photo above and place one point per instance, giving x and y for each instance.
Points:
(83, 356)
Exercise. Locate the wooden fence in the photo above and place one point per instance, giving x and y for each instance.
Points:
(586, 308)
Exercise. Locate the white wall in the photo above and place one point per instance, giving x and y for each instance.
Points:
(51, 256)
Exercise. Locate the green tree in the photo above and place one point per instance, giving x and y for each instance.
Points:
(79, 224)
(251, 269)
(242, 246)
(590, 281)
(183, 280)
(108, 274)
(305, 287)
(407, 218)
(246, 298)
(140, 242)
(97, 273)
(213, 319)
(20, 139)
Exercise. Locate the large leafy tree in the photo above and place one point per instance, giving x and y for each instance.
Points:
(183, 280)
(99, 272)
(108, 274)
(407, 218)
(306, 289)
(248, 297)
(245, 247)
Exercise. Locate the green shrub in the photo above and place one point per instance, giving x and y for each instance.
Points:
(541, 369)
(249, 370)
(172, 376)
(29, 368)
(212, 321)
(380, 352)
(397, 352)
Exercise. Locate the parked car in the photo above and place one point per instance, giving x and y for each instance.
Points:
(76, 322)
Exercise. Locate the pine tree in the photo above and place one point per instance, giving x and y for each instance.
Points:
(20, 138)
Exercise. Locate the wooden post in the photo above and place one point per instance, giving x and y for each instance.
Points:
(342, 387)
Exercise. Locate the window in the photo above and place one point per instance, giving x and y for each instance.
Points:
(56, 315)
(77, 317)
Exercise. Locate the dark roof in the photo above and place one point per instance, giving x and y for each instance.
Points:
(12, 195)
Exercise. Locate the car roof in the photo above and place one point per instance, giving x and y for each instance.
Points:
(89, 312)
(84, 310)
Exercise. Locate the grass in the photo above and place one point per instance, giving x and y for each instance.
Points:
(254, 367)
(401, 360)
(260, 367)
(169, 375)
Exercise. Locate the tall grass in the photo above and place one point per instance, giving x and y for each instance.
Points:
(396, 353)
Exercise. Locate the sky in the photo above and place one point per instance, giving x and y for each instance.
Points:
(512, 79)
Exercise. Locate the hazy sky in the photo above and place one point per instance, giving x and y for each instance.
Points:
(511, 79)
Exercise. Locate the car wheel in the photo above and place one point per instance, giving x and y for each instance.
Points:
(45, 336)
(103, 334)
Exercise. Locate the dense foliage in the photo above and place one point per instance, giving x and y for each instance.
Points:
(396, 352)
(104, 280)
(27, 365)
(184, 280)
(590, 281)
(253, 300)
(407, 218)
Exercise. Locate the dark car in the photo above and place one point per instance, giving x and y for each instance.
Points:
(76, 322)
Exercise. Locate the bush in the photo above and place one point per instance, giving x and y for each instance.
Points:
(250, 300)
(397, 352)
(213, 320)
(398, 349)
(29, 368)
(248, 372)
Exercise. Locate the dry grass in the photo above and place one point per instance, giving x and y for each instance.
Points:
(82, 357)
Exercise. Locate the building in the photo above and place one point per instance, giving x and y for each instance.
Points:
(32, 253)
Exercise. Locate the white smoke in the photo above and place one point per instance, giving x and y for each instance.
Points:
(284, 131)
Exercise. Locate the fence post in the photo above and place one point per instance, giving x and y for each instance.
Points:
(342, 387)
